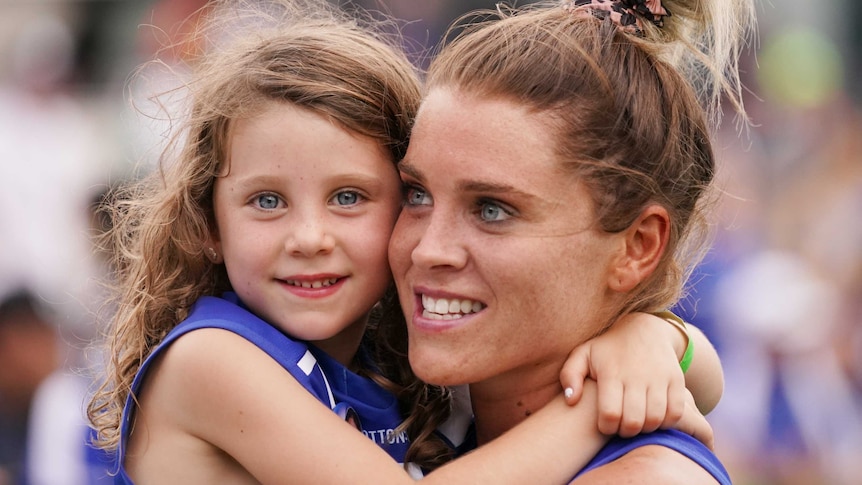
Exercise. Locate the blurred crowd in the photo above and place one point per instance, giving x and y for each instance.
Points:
(780, 293)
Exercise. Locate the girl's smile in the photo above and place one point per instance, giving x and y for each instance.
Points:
(303, 212)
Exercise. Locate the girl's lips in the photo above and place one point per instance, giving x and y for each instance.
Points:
(319, 287)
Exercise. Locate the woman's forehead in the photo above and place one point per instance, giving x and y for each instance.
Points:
(489, 138)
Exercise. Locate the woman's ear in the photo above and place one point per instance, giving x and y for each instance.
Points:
(644, 244)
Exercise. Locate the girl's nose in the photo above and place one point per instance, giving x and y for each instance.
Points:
(312, 236)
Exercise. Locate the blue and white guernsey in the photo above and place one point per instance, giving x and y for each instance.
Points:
(354, 397)
(670, 438)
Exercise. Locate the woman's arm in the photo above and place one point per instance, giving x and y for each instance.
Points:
(705, 377)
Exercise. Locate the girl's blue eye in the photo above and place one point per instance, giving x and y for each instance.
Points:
(347, 197)
(416, 196)
(492, 212)
(267, 201)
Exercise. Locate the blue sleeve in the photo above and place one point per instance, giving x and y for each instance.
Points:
(673, 439)
(228, 314)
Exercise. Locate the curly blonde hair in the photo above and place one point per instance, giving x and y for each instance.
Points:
(300, 52)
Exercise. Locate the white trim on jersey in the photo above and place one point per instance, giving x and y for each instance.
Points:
(307, 364)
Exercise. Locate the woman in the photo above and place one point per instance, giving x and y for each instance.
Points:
(560, 151)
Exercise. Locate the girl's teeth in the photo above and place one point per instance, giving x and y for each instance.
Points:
(313, 284)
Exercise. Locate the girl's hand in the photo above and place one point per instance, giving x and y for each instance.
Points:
(694, 423)
(640, 384)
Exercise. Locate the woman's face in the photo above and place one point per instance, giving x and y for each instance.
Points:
(500, 268)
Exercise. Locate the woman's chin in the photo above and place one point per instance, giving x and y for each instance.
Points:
(437, 368)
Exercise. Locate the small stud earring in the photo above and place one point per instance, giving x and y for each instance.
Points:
(213, 255)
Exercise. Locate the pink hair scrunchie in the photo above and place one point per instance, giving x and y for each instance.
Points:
(627, 14)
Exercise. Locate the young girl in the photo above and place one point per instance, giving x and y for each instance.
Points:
(263, 248)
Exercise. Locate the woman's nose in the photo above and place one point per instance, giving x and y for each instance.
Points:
(439, 243)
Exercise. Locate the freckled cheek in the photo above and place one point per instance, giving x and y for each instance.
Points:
(520, 296)
(403, 239)
(529, 285)
(372, 241)
(379, 251)
(242, 269)
(392, 222)
(539, 315)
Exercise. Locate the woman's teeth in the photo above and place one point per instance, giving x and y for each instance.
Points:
(447, 309)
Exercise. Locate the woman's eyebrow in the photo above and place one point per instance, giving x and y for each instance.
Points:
(470, 185)
(405, 167)
(494, 188)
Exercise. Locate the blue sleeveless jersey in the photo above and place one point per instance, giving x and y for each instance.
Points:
(360, 399)
(673, 439)
(617, 447)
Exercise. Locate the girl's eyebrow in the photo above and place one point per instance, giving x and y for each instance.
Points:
(469, 185)
(255, 180)
(348, 178)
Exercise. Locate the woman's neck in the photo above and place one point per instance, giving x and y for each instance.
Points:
(502, 402)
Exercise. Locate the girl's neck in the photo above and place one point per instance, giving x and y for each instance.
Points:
(502, 402)
(344, 345)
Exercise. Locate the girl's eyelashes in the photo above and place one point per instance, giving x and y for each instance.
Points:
(272, 201)
(267, 201)
(347, 198)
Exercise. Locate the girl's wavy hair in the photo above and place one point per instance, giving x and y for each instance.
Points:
(630, 115)
(348, 68)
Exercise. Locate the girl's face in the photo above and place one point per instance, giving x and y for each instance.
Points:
(303, 216)
(500, 268)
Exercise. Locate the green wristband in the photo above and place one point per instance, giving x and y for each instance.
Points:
(685, 363)
(679, 323)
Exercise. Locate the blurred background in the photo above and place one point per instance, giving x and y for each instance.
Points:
(780, 293)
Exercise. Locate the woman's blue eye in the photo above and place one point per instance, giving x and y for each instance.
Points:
(347, 198)
(492, 212)
(415, 196)
(267, 201)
